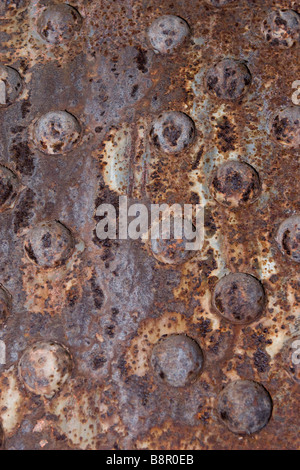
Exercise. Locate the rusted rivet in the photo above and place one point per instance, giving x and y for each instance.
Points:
(45, 367)
(9, 188)
(167, 33)
(245, 407)
(56, 132)
(177, 359)
(59, 23)
(229, 79)
(282, 28)
(292, 358)
(5, 305)
(285, 127)
(235, 184)
(170, 251)
(239, 298)
(10, 85)
(49, 244)
(168, 246)
(288, 238)
(172, 131)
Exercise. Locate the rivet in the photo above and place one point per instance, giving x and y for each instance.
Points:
(177, 360)
(56, 132)
(235, 184)
(172, 132)
(45, 367)
(59, 23)
(288, 238)
(5, 305)
(292, 356)
(229, 79)
(245, 407)
(285, 127)
(167, 33)
(281, 28)
(49, 244)
(239, 298)
(9, 188)
(10, 85)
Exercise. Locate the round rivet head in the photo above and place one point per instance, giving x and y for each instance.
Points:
(170, 251)
(239, 298)
(10, 85)
(49, 244)
(288, 238)
(282, 28)
(285, 127)
(245, 407)
(59, 23)
(235, 184)
(5, 305)
(9, 188)
(56, 132)
(167, 33)
(177, 360)
(292, 357)
(168, 242)
(229, 79)
(172, 132)
(45, 367)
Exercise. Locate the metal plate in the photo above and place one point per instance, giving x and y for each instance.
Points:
(108, 303)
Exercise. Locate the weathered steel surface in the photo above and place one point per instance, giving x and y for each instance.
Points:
(102, 306)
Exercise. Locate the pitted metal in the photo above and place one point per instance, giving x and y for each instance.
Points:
(94, 311)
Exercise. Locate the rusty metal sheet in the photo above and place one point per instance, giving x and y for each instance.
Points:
(92, 331)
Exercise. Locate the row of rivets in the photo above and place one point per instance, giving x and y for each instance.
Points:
(244, 406)
(57, 132)
(60, 22)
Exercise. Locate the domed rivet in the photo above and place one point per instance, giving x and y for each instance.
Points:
(170, 251)
(10, 85)
(167, 240)
(45, 367)
(167, 33)
(49, 244)
(5, 305)
(282, 28)
(288, 238)
(228, 79)
(59, 23)
(172, 132)
(239, 298)
(292, 357)
(9, 188)
(285, 127)
(177, 360)
(56, 132)
(235, 184)
(245, 407)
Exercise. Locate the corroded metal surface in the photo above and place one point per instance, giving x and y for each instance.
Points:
(92, 311)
